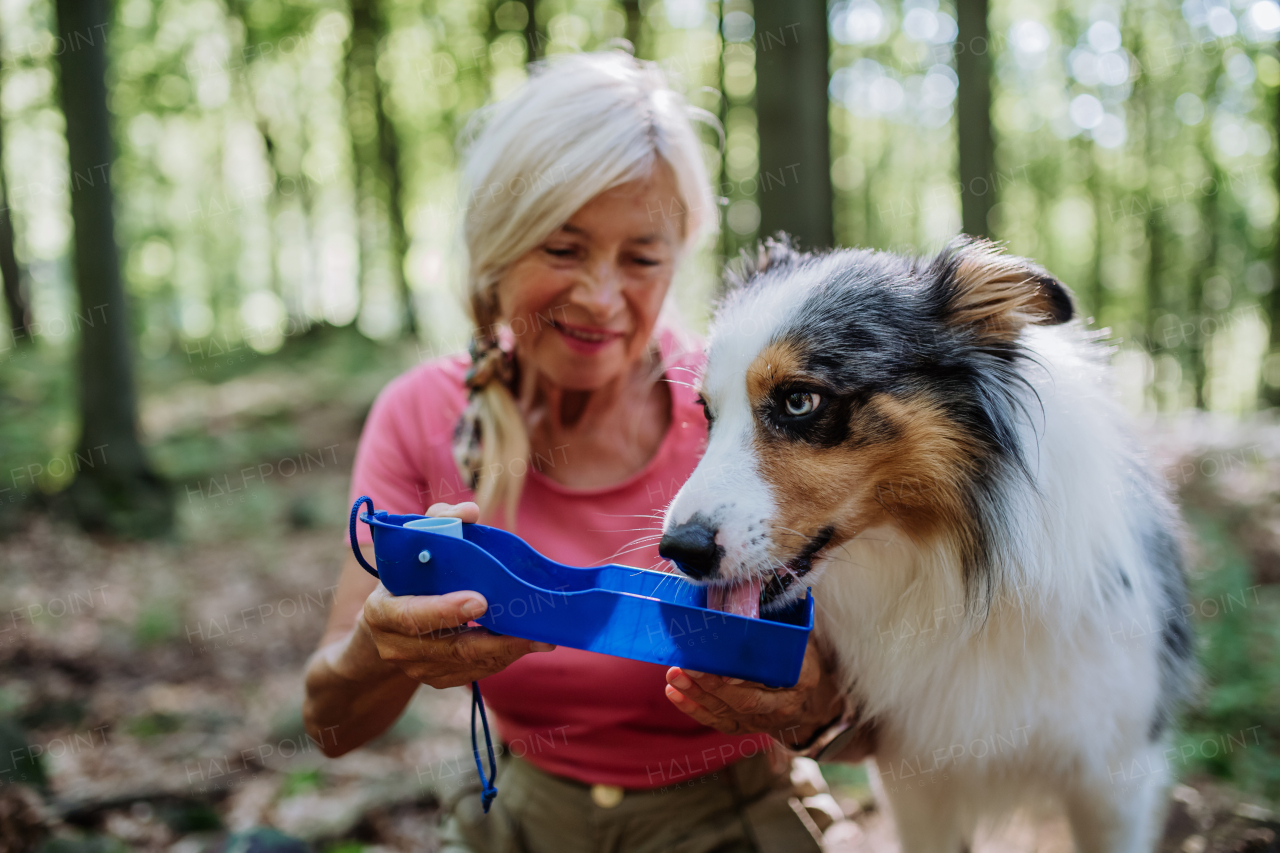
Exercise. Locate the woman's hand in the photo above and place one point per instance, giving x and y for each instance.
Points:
(427, 636)
(379, 647)
(791, 715)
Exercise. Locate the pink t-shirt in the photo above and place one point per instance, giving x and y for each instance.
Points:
(586, 716)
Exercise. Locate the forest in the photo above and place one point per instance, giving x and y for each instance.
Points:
(225, 225)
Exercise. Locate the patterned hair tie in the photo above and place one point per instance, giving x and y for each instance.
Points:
(489, 363)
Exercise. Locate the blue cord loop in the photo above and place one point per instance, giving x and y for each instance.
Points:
(488, 792)
(355, 543)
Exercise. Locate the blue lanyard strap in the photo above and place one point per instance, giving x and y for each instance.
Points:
(355, 543)
(488, 791)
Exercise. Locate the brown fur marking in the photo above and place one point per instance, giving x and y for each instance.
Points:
(906, 463)
(998, 292)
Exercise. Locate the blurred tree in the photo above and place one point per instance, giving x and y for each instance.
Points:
(724, 237)
(377, 154)
(15, 299)
(533, 37)
(1271, 392)
(1095, 184)
(114, 487)
(1210, 216)
(256, 37)
(973, 116)
(1147, 97)
(792, 47)
(631, 8)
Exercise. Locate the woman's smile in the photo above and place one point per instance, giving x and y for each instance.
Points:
(586, 340)
(590, 295)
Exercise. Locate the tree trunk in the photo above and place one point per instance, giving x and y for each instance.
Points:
(973, 116)
(1154, 289)
(1211, 218)
(725, 245)
(15, 299)
(792, 51)
(631, 8)
(240, 82)
(1155, 280)
(533, 37)
(1271, 393)
(114, 487)
(377, 155)
(389, 166)
(1097, 290)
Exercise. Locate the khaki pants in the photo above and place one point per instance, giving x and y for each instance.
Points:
(748, 807)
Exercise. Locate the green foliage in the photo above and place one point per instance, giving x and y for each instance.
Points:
(38, 426)
(184, 817)
(154, 724)
(407, 726)
(54, 713)
(301, 782)
(1232, 731)
(158, 622)
(19, 764)
(845, 775)
(287, 724)
(84, 844)
(263, 840)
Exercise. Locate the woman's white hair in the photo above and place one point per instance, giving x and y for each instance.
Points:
(582, 124)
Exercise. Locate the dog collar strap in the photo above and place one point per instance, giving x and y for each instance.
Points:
(820, 736)
(830, 740)
(834, 740)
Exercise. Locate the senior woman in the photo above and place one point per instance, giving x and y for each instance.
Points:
(572, 421)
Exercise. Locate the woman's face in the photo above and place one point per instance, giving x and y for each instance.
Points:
(582, 305)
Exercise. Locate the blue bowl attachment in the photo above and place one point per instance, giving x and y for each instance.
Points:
(614, 610)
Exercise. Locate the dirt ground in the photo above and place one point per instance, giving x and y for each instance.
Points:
(151, 692)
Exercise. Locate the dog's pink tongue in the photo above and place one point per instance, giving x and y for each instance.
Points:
(741, 598)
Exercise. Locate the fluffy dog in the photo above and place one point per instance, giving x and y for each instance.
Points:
(932, 446)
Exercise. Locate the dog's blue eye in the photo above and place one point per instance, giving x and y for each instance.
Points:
(802, 403)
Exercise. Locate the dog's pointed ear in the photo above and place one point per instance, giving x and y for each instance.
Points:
(975, 285)
(771, 253)
(774, 252)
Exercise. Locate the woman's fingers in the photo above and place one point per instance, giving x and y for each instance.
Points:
(727, 725)
(467, 656)
(469, 650)
(416, 615)
(477, 649)
(428, 638)
(468, 511)
(731, 705)
(683, 681)
(717, 695)
(737, 707)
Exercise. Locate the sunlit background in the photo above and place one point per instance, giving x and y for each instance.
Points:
(264, 156)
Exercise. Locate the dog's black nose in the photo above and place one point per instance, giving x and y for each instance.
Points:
(692, 546)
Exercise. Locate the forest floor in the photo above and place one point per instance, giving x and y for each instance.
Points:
(150, 692)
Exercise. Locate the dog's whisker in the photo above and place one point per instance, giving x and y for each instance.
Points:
(789, 530)
(653, 515)
(627, 549)
(627, 530)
